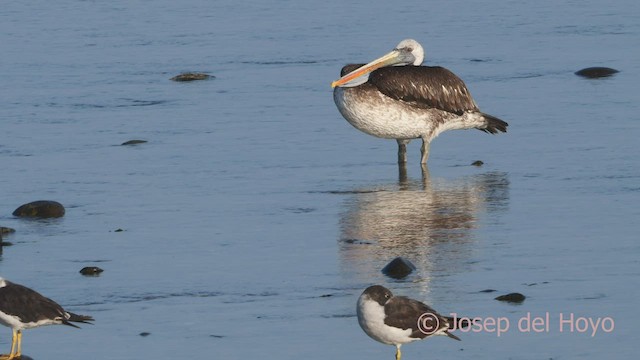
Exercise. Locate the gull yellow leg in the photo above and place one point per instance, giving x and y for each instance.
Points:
(14, 339)
(19, 352)
(398, 352)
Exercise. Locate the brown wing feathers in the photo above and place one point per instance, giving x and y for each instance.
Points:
(425, 87)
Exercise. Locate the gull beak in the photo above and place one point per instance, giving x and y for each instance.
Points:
(392, 58)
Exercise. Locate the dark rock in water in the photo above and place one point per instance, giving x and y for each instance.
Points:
(191, 77)
(133, 142)
(3, 243)
(144, 333)
(91, 271)
(515, 298)
(596, 72)
(357, 242)
(487, 291)
(398, 268)
(6, 230)
(118, 230)
(40, 209)
(477, 163)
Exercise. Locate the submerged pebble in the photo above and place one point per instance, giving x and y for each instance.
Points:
(399, 268)
(6, 230)
(133, 142)
(40, 209)
(357, 242)
(91, 271)
(191, 77)
(596, 72)
(512, 298)
(3, 243)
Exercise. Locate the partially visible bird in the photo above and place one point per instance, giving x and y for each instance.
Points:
(398, 320)
(22, 308)
(393, 97)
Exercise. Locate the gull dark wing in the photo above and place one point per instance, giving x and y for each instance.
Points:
(29, 305)
(406, 313)
(424, 87)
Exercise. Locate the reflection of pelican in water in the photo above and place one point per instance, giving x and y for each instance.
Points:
(430, 222)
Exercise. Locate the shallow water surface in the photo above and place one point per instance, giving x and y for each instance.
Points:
(254, 215)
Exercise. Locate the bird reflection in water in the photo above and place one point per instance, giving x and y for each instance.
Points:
(429, 221)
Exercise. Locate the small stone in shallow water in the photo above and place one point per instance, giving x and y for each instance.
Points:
(40, 209)
(191, 77)
(477, 163)
(144, 333)
(515, 298)
(3, 243)
(91, 271)
(133, 142)
(6, 230)
(398, 268)
(596, 72)
(357, 242)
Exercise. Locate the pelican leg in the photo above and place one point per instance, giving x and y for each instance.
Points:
(402, 175)
(425, 151)
(402, 150)
(398, 353)
(426, 177)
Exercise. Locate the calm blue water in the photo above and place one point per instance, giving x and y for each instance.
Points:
(255, 215)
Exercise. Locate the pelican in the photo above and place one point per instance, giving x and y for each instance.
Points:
(394, 97)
